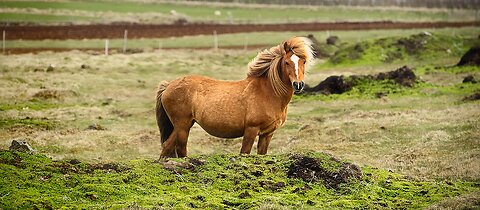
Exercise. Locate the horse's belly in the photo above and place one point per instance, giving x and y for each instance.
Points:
(222, 130)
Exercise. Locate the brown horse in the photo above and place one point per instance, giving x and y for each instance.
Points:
(255, 106)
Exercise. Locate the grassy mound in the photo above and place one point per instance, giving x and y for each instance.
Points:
(422, 46)
(219, 181)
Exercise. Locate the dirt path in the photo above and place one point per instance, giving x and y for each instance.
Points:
(160, 31)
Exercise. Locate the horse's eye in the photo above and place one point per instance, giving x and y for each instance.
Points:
(304, 62)
(287, 63)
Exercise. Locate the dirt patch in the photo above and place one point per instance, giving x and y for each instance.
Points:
(52, 94)
(313, 170)
(178, 167)
(331, 85)
(341, 84)
(112, 31)
(473, 97)
(471, 57)
(115, 167)
(403, 76)
(469, 79)
(271, 185)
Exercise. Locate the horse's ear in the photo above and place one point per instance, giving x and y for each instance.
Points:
(286, 47)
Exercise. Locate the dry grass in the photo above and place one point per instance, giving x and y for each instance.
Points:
(421, 136)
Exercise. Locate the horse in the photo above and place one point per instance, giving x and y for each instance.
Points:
(254, 106)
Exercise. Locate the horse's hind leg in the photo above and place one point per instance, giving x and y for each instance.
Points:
(182, 139)
(169, 146)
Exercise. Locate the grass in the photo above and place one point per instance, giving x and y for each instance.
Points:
(16, 17)
(137, 12)
(426, 135)
(217, 181)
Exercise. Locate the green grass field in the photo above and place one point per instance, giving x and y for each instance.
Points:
(41, 12)
(427, 135)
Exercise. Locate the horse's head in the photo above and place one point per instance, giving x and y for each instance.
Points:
(294, 67)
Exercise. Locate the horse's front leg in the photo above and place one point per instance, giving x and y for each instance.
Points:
(248, 138)
(263, 142)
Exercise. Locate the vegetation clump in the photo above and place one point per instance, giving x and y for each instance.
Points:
(422, 46)
(216, 181)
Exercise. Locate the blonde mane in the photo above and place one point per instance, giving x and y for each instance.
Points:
(268, 61)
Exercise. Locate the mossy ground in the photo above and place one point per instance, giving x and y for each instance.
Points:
(417, 47)
(216, 182)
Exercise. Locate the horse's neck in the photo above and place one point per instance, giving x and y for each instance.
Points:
(269, 93)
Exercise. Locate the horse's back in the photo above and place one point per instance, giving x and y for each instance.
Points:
(216, 105)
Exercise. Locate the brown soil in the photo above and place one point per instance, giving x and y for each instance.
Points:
(331, 85)
(471, 57)
(28, 32)
(473, 97)
(97, 51)
(311, 170)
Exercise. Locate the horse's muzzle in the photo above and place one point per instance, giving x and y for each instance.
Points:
(298, 86)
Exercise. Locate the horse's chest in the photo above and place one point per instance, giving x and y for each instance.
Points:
(273, 122)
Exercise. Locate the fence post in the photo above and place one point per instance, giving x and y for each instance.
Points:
(215, 41)
(125, 34)
(106, 46)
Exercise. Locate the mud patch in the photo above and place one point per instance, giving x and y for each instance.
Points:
(469, 79)
(473, 97)
(331, 85)
(403, 76)
(471, 57)
(314, 170)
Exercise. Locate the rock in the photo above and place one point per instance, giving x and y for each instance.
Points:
(50, 68)
(471, 57)
(332, 40)
(21, 146)
(469, 79)
(84, 66)
(95, 126)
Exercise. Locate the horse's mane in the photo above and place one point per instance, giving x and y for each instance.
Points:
(268, 61)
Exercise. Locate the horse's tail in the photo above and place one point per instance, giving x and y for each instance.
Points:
(164, 124)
